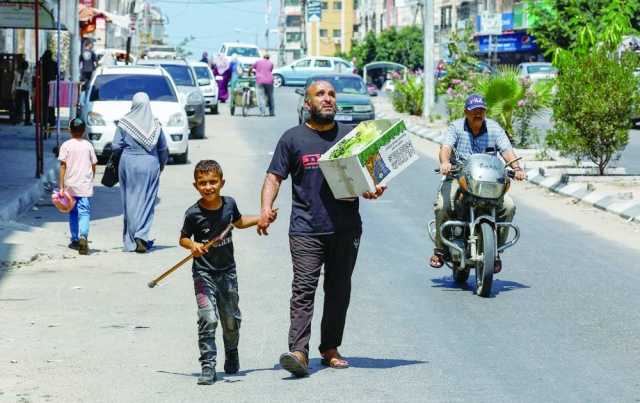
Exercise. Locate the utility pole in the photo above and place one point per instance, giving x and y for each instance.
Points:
(303, 44)
(428, 78)
(132, 10)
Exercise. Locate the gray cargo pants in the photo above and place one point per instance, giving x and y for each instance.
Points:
(217, 298)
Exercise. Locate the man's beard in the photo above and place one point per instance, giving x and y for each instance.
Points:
(318, 116)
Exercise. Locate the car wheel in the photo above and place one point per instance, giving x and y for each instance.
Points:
(278, 81)
(182, 158)
(198, 131)
(214, 109)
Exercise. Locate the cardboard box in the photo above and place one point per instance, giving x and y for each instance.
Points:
(376, 164)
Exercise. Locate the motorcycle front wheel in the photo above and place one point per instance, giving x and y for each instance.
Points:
(484, 270)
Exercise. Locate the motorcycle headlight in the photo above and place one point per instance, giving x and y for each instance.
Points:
(195, 98)
(95, 119)
(176, 120)
(362, 108)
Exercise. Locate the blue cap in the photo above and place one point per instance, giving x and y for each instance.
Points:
(474, 101)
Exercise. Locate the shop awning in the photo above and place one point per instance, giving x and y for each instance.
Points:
(20, 14)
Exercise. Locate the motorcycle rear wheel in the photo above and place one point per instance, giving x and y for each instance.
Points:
(484, 270)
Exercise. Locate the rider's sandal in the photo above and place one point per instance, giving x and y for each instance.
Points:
(437, 260)
(497, 268)
(333, 359)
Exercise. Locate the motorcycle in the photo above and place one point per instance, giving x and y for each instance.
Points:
(483, 180)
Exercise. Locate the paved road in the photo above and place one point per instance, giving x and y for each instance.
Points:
(562, 326)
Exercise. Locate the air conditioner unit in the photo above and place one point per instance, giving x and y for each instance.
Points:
(336, 40)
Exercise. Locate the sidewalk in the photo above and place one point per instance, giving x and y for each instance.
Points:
(21, 191)
(616, 193)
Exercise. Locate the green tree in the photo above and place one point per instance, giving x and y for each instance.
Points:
(558, 23)
(597, 89)
(182, 50)
(365, 51)
(462, 47)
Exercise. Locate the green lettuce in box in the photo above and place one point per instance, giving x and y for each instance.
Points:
(371, 154)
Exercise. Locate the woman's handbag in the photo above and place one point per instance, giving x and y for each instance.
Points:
(110, 177)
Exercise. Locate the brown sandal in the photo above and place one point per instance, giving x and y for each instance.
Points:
(332, 358)
(296, 363)
(437, 260)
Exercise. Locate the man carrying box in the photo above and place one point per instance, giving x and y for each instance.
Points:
(323, 230)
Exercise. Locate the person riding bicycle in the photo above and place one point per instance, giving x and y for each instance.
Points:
(472, 134)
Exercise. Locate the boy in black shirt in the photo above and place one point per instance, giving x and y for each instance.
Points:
(214, 269)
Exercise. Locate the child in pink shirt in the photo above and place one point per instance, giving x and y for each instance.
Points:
(77, 170)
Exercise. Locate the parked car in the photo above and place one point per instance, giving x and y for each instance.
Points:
(207, 84)
(189, 93)
(247, 54)
(538, 71)
(108, 98)
(298, 72)
(352, 98)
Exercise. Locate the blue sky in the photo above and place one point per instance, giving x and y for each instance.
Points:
(213, 22)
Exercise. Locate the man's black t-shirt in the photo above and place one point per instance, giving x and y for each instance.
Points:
(314, 209)
(203, 225)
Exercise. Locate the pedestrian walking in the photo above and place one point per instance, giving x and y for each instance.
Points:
(140, 144)
(88, 61)
(214, 268)
(205, 57)
(323, 230)
(49, 71)
(77, 170)
(222, 74)
(21, 90)
(264, 81)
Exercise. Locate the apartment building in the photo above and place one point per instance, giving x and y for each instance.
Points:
(332, 34)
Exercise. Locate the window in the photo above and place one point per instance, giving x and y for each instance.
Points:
(343, 67)
(203, 72)
(294, 36)
(243, 52)
(293, 21)
(181, 74)
(323, 33)
(337, 5)
(303, 63)
(337, 33)
(322, 63)
(122, 87)
(289, 3)
(445, 17)
(467, 9)
(325, 5)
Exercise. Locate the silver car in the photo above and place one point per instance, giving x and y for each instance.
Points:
(190, 94)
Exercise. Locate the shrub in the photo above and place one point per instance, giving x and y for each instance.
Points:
(408, 96)
(536, 97)
(597, 95)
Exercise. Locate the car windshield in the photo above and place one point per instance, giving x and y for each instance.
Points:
(181, 74)
(122, 87)
(542, 68)
(202, 72)
(344, 85)
(243, 52)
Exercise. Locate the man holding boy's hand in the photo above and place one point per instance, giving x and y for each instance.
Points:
(323, 230)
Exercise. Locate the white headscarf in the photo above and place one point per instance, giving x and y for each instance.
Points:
(221, 63)
(140, 123)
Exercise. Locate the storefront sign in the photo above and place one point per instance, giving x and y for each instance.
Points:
(516, 42)
(490, 24)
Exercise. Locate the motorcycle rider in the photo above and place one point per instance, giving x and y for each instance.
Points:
(472, 134)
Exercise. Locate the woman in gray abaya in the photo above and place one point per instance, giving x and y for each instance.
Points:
(142, 147)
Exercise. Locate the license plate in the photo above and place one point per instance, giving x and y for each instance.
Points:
(344, 118)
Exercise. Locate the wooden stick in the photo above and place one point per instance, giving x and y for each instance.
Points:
(210, 243)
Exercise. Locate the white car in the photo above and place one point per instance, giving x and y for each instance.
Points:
(538, 71)
(108, 98)
(207, 84)
(247, 54)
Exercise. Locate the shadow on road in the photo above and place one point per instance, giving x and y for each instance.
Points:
(448, 284)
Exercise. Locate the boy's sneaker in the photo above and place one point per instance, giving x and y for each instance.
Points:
(83, 246)
(75, 245)
(208, 376)
(231, 362)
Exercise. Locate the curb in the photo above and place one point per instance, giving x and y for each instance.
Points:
(608, 201)
(29, 197)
